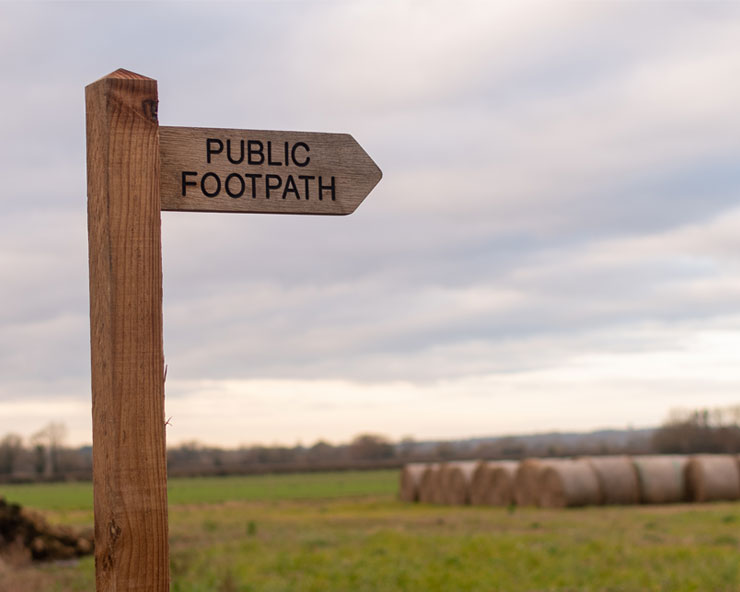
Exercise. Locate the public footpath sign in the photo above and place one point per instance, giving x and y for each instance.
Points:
(224, 170)
(135, 169)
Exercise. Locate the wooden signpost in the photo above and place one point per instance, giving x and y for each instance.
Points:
(135, 169)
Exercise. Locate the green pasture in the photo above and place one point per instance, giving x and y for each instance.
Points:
(214, 490)
(347, 532)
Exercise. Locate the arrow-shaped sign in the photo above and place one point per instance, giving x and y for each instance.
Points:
(272, 172)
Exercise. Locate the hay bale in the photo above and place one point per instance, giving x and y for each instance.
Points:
(429, 490)
(527, 480)
(409, 482)
(662, 478)
(712, 477)
(437, 496)
(493, 483)
(617, 479)
(569, 483)
(455, 480)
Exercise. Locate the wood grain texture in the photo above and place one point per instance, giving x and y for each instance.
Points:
(129, 464)
(263, 171)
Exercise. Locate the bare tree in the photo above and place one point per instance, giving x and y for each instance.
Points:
(49, 441)
(11, 447)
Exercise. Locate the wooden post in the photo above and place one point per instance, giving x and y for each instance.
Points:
(129, 461)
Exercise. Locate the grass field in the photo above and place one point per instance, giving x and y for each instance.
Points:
(346, 532)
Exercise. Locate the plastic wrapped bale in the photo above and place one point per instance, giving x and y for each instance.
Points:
(429, 484)
(527, 480)
(409, 482)
(712, 477)
(617, 479)
(455, 481)
(569, 483)
(493, 483)
(662, 478)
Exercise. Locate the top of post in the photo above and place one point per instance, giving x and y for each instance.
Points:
(123, 74)
(130, 90)
(128, 74)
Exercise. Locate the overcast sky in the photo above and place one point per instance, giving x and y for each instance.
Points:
(555, 244)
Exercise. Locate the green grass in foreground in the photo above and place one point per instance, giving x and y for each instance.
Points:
(211, 490)
(251, 534)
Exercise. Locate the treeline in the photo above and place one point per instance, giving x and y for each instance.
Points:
(44, 456)
(700, 431)
(364, 451)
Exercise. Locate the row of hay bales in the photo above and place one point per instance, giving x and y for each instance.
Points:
(557, 483)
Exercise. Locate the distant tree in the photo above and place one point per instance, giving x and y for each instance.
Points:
(370, 447)
(513, 448)
(556, 449)
(217, 457)
(187, 455)
(445, 450)
(11, 447)
(406, 447)
(487, 450)
(322, 451)
(39, 460)
(49, 441)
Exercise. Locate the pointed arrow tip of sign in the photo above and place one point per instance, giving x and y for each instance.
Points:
(373, 164)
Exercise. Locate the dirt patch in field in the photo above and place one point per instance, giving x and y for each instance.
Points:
(26, 535)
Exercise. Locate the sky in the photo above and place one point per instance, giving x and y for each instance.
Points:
(554, 245)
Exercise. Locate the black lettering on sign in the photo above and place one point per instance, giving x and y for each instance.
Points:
(255, 152)
(186, 183)
(330, 187)
(270, 186)
(240, 184)
(253, 177)
(258, 153)
(293, 156)
(306, 179)
(240, 158)
(213, 146)
(203, 188)
(290, 187)
(271, 162)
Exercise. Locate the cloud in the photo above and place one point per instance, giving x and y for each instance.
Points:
(627, 388)
(559, 191)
